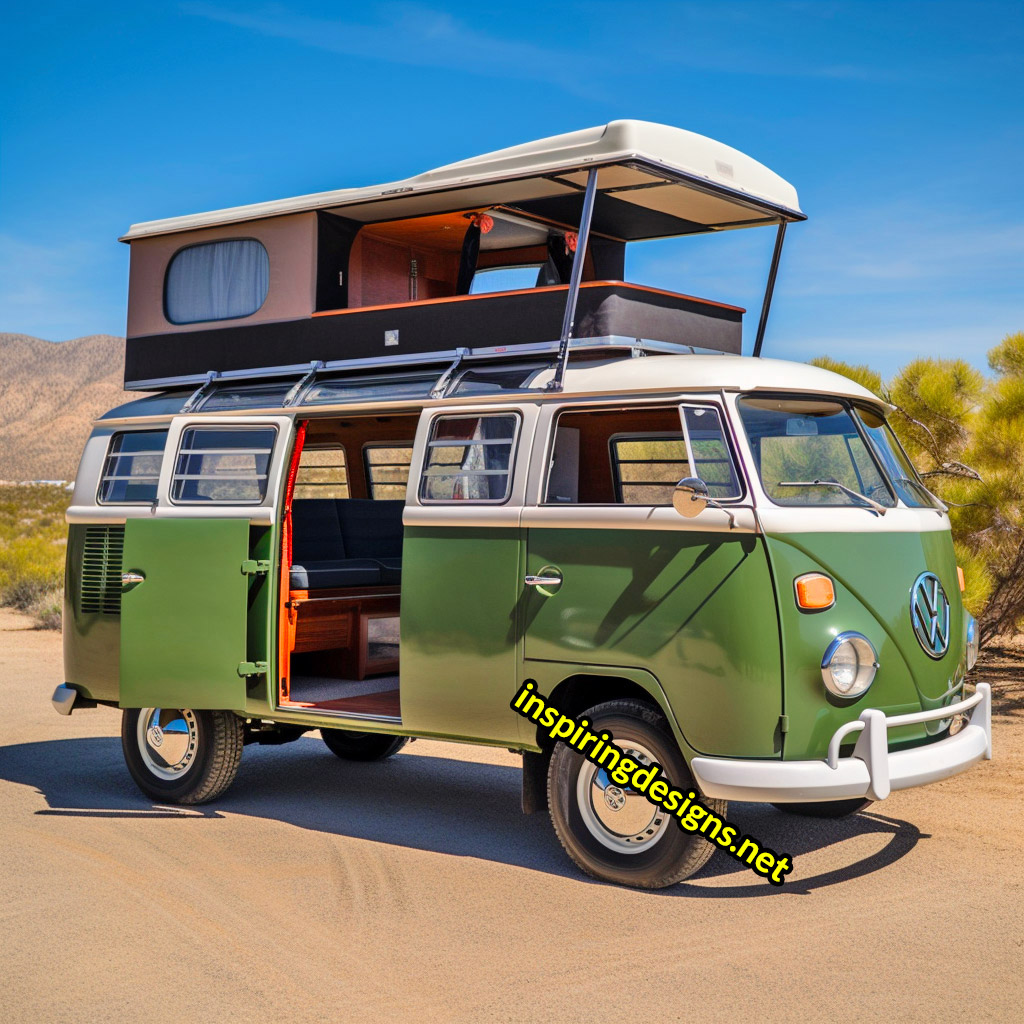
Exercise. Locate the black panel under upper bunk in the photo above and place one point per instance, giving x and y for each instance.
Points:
(509, 319)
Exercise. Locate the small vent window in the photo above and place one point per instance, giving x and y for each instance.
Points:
(101, 570)
(216, 281)
(223, 465)
(469, 458)
(322, 473)
(387, 470)
(132, 470)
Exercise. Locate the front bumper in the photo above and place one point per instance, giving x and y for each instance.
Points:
(871, 771)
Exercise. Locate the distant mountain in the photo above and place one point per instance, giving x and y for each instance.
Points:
(50, 393)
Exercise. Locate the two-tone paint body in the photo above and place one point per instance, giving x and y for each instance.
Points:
(697, 614)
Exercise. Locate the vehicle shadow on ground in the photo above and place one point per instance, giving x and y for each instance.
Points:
(424, 802)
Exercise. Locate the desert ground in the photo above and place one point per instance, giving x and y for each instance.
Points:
(416, 890)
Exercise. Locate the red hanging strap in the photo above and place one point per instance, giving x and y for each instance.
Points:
(289, 490)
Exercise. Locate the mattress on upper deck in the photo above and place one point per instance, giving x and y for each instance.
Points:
(503, 319)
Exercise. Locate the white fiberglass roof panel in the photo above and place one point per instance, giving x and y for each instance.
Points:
(637, 151)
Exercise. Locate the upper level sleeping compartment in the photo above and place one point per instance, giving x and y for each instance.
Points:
(478, 255)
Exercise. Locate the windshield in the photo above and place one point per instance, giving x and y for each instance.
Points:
(809, 451)
(895, 462)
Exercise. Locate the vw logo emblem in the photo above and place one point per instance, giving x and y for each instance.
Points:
(929, 612)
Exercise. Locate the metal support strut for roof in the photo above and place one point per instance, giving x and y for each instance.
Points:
(569, 318)
(767, 304)
(444, 381)
(315, 366)
(201, 392)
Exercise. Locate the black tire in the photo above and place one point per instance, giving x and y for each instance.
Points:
(674, 854)
(362, 746)
(214, 751)
(826, 809)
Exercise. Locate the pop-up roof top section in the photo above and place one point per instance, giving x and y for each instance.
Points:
(414, 240)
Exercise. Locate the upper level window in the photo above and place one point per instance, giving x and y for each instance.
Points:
(132, 469)
(216, 281)
(223, 465)
(387, 470)
(469, 458)
(505, 279)
(322, 473)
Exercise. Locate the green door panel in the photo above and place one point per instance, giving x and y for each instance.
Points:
(458, 651)
(695, 609)
(183, 630)
(873, 575)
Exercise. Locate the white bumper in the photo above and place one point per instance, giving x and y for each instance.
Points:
(871, 772)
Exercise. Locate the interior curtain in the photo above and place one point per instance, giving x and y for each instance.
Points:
(217, 281)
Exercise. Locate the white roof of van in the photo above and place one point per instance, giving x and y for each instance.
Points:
(704, 373)
(655, 168)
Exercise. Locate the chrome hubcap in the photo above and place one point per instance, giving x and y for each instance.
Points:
(168, 741)
(619, 817)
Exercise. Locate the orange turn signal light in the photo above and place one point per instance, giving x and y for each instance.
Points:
(814, 592)
(960, 578)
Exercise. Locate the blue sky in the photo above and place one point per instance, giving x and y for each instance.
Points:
(901, 125)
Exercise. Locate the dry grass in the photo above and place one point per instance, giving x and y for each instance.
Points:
(33, 541)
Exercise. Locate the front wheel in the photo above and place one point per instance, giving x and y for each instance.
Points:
(826, 808)
(181, 756)
(613, 832)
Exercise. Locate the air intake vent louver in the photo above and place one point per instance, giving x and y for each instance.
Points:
(101, 570)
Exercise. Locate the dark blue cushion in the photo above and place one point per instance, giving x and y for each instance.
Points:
(343, 572)
(371, 529)
(316, 532)
(390, 570)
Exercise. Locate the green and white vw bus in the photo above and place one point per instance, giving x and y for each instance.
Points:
(438, 449)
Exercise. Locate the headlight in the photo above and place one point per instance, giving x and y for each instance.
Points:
(849, 665)
(973, 644)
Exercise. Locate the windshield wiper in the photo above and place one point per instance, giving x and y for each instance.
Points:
(870, 502)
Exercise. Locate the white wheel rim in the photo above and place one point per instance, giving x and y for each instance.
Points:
(168, 740)
(619, 818)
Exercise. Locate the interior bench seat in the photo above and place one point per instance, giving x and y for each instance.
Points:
(346, 542)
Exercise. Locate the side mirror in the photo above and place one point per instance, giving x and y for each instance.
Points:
(690, 497)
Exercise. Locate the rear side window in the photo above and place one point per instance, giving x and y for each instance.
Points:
(223, 465)
(387, 470)
(323, 473)
(132, 470)
(469, 458)
(216, 281)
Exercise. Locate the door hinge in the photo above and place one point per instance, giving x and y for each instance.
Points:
(254, 567)
(783, 723)
(252, 668)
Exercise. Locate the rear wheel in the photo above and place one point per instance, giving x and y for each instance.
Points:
(825, 809)
(613, 832)
(181, 756)
(362, 746)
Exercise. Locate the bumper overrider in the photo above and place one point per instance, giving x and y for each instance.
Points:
(871, 771)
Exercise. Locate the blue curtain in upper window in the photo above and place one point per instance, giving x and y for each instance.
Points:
(217, 281)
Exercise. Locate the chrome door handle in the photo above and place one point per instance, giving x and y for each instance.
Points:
(130, 578)
(542, 581)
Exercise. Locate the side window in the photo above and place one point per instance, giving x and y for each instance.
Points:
(216, 281)
(132, 469)
(387, 470)
(469, 458)
(647, 468)
(223, 465)
(322, 473)
(636, 455)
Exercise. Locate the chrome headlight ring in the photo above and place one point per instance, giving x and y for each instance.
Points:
(849, 665)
